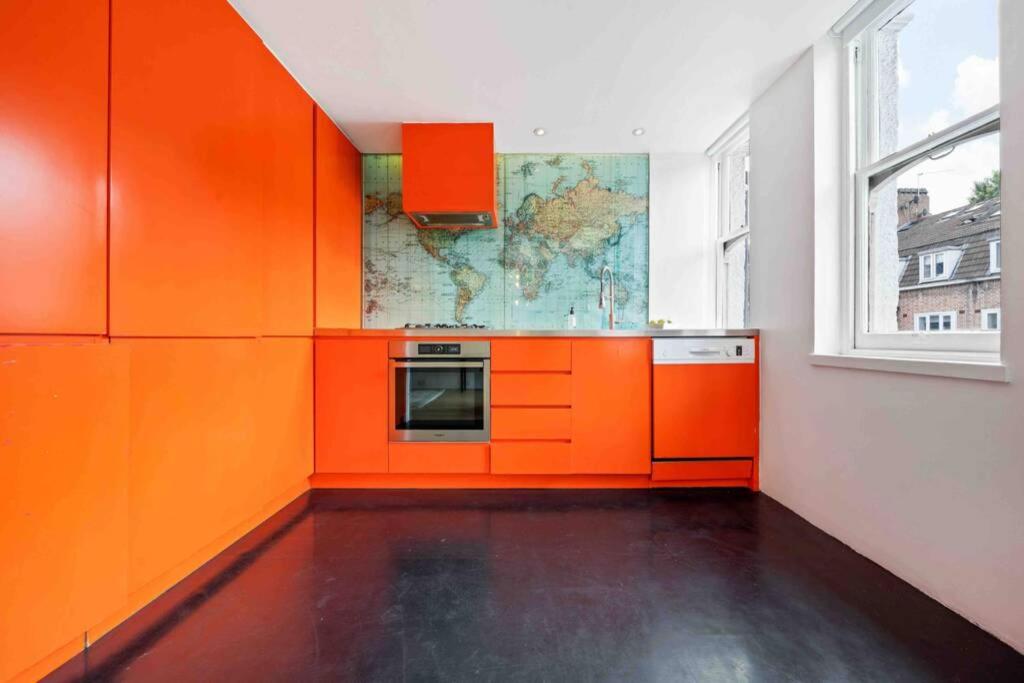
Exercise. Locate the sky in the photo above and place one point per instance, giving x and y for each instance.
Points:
(949, 70)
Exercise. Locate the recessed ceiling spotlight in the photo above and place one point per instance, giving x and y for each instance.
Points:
(539, 132)
(638, 131)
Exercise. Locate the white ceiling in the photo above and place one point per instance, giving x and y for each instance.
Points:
(588, 71)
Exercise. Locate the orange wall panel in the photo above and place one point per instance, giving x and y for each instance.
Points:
(207, 227)
(63, 513)
(352, 405)
(53, 166)
(611, 406)
(339, 228)
(705, 411)
(198, 433)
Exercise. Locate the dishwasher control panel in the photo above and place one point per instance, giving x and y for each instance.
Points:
(694, 350)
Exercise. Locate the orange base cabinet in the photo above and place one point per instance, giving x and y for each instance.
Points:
(705, 411)
(531, 355)
(439, 458)
(702, 470)
(531, 457)
(611, 406)
(351, 405)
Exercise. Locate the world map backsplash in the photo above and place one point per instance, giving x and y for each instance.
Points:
(561, 217)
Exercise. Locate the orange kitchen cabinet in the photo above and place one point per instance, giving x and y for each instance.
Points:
(439, 458)
(212, 421)
(64, 464)
(211, 178)
(286, 188)
(531, 355)
(53, 167)
(351, 405)
(703, 470)
(611, 406)
(531, 457)
(531, 423)
(531, 389)
(705, 410)
(339, 228)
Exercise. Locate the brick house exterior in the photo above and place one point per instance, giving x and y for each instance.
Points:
(950, 265)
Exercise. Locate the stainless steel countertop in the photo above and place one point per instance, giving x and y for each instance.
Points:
(456, 332)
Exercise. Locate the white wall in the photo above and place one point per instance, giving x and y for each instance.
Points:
(923, 475)
(681, 284)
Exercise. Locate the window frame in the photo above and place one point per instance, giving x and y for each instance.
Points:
(940, 314)
(986, 312)
(861, 164)
(995, 256)
(735, 138)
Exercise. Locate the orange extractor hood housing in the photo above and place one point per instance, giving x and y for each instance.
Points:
(448, 175)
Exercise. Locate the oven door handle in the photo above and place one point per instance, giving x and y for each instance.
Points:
(430, 364)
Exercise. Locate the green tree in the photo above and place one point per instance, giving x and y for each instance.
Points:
(986, 189)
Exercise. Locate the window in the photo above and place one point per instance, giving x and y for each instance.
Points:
(938, 266)
(924, 166)
(991, 319)
(936, 322)
(730, 158)
(995, 256)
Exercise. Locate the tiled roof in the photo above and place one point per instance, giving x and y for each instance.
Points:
(970, 228)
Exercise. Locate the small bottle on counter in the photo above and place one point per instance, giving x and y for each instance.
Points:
(572, 317)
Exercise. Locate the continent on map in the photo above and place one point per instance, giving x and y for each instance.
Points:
(580, 223)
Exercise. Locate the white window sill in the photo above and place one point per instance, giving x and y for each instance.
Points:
(988, 372)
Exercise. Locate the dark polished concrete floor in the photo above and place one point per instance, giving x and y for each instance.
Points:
(543, 586)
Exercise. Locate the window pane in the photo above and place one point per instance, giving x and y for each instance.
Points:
(737, 283)
(937, 64)
(737, 165)
(949, 202)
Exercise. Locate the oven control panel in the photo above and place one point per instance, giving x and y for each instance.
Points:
(439, 349)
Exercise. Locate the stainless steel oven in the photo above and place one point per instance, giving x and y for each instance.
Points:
(439, 390)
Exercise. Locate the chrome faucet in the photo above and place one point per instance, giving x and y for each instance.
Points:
(610, 299)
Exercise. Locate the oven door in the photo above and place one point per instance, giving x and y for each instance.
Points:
(440, 400)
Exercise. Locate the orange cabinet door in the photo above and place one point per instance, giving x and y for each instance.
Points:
(531, 457)
(611, 406)
(705, 411)
(339, 227)
(351, 386)
(53, 166)
(439, 458)
(531, 423)
(531, 355)
(211, 171)
(531, 389)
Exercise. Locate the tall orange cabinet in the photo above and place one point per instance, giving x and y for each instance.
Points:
(211, 178)
(351, 405)
(611, 406)
(53, 167)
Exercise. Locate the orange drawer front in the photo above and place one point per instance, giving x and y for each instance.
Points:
(704, 470)
(531, 355)
(531, 423)
(439, 458)
(531, 457)
(531, 389)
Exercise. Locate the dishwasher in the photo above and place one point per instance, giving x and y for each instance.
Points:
(705, 410)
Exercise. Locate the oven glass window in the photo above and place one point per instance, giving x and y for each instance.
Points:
(439, 398)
